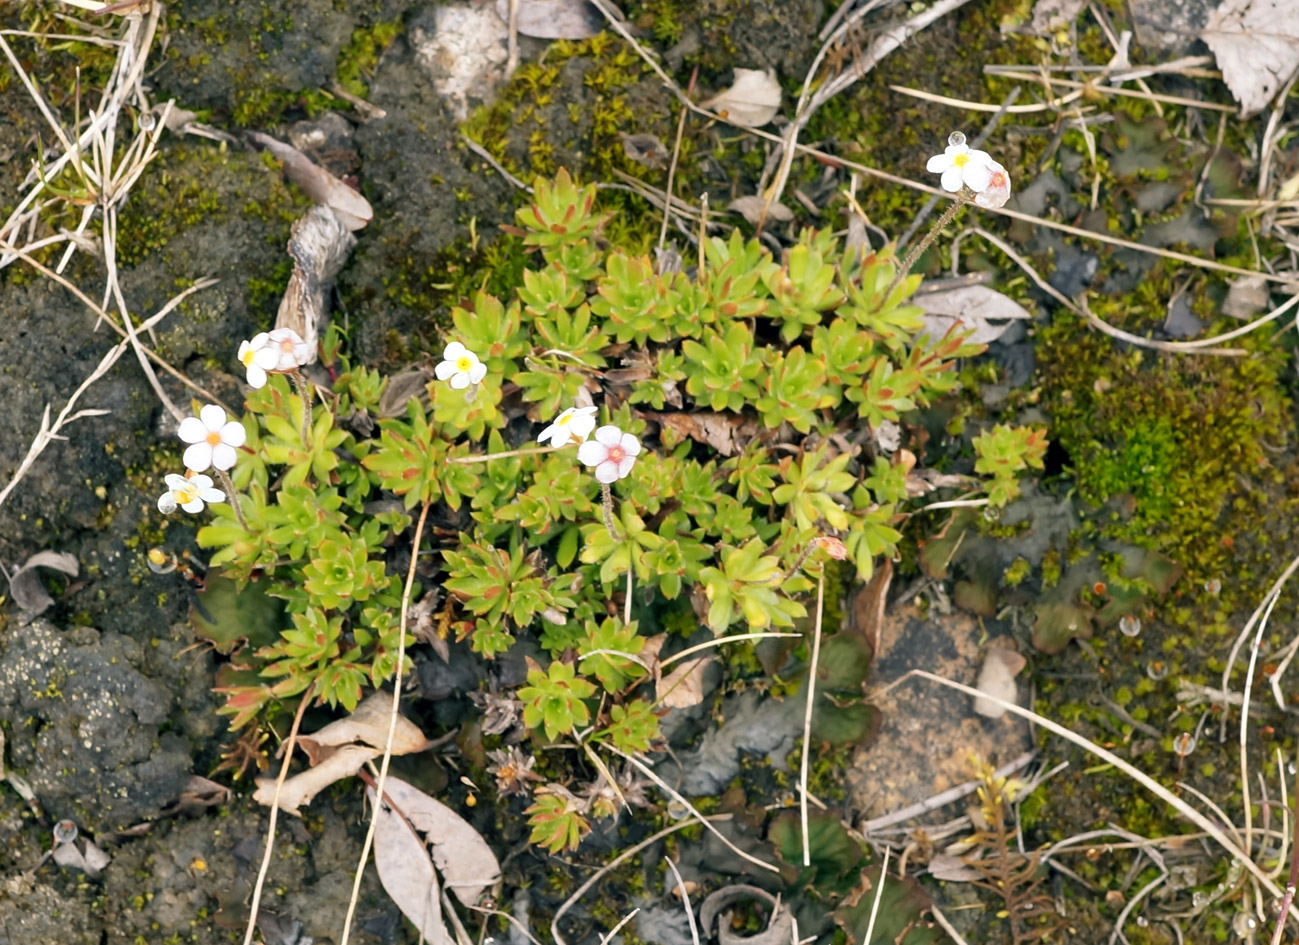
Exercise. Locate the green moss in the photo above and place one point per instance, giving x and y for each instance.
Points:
(358, 59)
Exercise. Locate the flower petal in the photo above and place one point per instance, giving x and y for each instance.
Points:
(454, 351)
(625, 465)
(213, 417)
(234, 434)
(166, 503)
(259, 339)
(200, 481)
(477, 372)
(952, 179)
(977, 175)
(177, 481)
(592, 453)
(459, 380)
(606, 472)
(609, 435)
(195, 505)
(266, 358)
(223, 456)
(256, 376)
(547, 433)
(198, 457)
(212, 495)
(191, 430)
(939, 163)
(444, 370)
(630, 445)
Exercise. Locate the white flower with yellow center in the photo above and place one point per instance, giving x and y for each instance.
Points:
(257, 358)
(460, 367)
(213, 441)
(189, 493)
(289, 347)
(961, 165)
(575, 423)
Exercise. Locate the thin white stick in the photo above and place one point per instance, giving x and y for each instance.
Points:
(618, 928)
(1244, 714)
(807, 722)
(1273, 592)
(690, 651)
(685, 900)
(879, 894)
(672, 793)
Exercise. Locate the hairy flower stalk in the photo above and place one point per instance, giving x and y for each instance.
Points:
(228, 484)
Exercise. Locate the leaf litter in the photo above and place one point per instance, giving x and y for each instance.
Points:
(1256, 43)
(974, 307)
(752, 100)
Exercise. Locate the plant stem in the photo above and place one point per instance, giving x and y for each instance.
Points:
(1294, 872)
(948, 215)
(275, 810)
(304, 391)
(484, 457)
(233, 496)
(807, 723)
(606, 504)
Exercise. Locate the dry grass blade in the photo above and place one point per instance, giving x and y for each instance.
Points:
(807, 723)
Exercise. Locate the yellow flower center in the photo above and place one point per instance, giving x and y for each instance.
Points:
(247, 357)
(961, 160)
(463, 365)
(564, 420)
(184, 496)
(214, 438)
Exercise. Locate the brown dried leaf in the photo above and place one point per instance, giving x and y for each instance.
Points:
(752, 208)
(724, 432)
(997, 677)
(554, 19)
(1256, 43)
(752, 100)
(367, 725)
(684, 686)
(969, 307)
(351, 208)
(868, 604)
(25, 584)
(644, 149)
(407, 872)
(305, 785)
(467, 864)
(952, 869)
(319, 244)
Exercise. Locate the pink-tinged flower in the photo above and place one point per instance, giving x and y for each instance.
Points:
(188, 493)
(212, 440)
(257, 358)
(961, 166)
(575, 423)
(998, 190)
(611, 452)
(460, 366)
(832, 546)
(289, 348)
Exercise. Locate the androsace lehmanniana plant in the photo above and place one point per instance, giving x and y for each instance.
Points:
(714, 471)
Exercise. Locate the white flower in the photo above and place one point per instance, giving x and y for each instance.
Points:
(213, 440)
(188, 494)
(575, 423)
(961, 166)
(611, 452)
(289, 347)
(998, 190)
(461, 366)
(257, 358)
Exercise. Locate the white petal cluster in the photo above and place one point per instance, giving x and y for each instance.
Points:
(611, 452)
(213, 440)
(188, 493)
(460, 367)
(964, 167)
(281, 351)
(575, 423)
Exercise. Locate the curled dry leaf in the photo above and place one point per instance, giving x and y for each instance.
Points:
(752, 208)
(319, 245)
(367, 725)
(997, 678)
(554, 19)
(410, 383)
(1256, 43)
(305, 785)
(198, 793)
(952, 869)
(752, 100)
(91, 860)
(726, 433)
(352, 209)
(1247, 296)
(644, 149)
(467, 864)
(406, 871)
(777, 932)
(972, 307)
(684, 686)
(25, 584)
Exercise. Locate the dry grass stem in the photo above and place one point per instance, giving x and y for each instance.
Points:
(392, 721)
(807, 721)
(685, 900)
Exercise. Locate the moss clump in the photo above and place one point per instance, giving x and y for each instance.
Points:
(358, 59)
